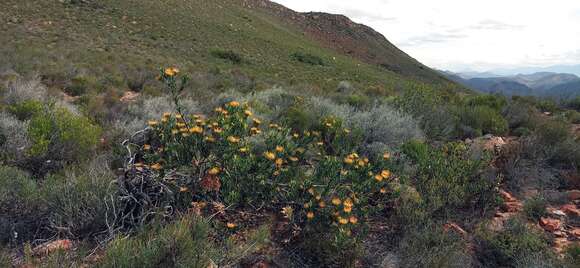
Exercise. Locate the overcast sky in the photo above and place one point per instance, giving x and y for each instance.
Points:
(464, 35)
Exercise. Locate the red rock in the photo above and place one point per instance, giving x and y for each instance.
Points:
(49, 247)
(550, 225)
(570, 209)
(507, 196)
(454, 227)
(573, 195)
(130, 96)
(512, 206)
(575, 232)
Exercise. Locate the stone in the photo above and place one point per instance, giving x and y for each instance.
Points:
(512, 206)
(451, 226)
(129, 96)
(570, 210)
(550, 225)
(507, 196)
(49, 247)
(575, 232)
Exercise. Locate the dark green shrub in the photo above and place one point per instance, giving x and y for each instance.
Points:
(574, 104)
(76, 201)
(483, 118)
(430, 246)
(451, 177)
(521, 131)
(184, 243)
(78, 86)
(552, 132)
(26, 109)
(572, 255)
(535, 208)
(228, 55)
(20, 206)
(496, 102)
(515, 242)
(520, 114)
(308, 58)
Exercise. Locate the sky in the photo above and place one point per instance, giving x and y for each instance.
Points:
(469, 35)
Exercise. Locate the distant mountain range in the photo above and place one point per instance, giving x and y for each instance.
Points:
(540, 84)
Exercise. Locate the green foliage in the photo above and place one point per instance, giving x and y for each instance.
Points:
(535, 208)
(308, 58)
(184, 243)
(62, 135)
(496, 102)
(78, 86)
(517, 241)
(483, 119)
(228, 55)
(433, 247)
(450, 177)
(574, 103)
(572, 255)
(26, 109)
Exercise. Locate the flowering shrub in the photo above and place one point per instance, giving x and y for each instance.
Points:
(232, 157)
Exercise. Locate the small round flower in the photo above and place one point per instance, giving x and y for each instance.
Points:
(347, 209)
(233, 139)
(322, 204)
(279, 162)
(214, 171)
(383, 190)
(178, 116)
(248, 113)
(234, 104)
(171, 71)
(279, 149)
(174, 131)
(306, 205)
(270, 156)
(231, 225)
(342, 220)
(379, 177)
(348, 161)
(348, 202)
(152, 123)
(296, 135)
(209, 139)
(293, 159)
(310, 215)
(166, 114)
(386, 156)
(146, 147)
(385, 173)
(243, 150)
(183, 189)
(311, 191)
(156, 166)
(336, 201)
(196, 130)
(256, 121)
(353, 220)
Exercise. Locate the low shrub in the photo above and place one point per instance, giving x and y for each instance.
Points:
(228, 55)
(26, 109)
(14, 140)
(535, 208)
(482, 119)
(496, 102)
(22, 89)
(434, 247)
(61, 135)
(516, 242)
(451, 177)
(78, 86)
(184, 243)
(308, 58)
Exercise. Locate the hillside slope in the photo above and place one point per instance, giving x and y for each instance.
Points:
(110, 37)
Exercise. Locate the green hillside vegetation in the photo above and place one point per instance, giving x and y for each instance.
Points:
(260, 148)
(108, 43)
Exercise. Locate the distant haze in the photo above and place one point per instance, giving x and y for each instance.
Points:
(471, 35)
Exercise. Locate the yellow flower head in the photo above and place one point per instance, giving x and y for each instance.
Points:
(146, 147)
(347, 209)
(270, 156)
(379, 177)
(293, 159)
(346, 130)
(386, 156)
(353, 219)
(156, 166)
(385, 173)
(322, 204)
(248, 113)
(243, 150)
(152, 123)
(383, 190)
(166, 114)
(171, 71)
(310, 215)
(183, 189)
(311, 191)
(214, 171)
(273, 125)
(348, 160)
(231, 225)
(348, 202)
(234, 104)
(233, 139)
(342, 220)
(279, 149)
(336, 201)
(209, 139)
(178, 116)
(256, 121)
(217, 130)
(279, 162)
(196, 130)
(287, 211)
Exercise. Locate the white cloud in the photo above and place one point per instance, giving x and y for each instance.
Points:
(479, 35)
